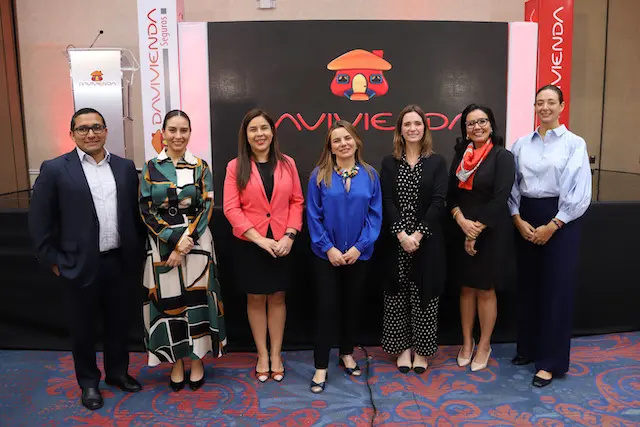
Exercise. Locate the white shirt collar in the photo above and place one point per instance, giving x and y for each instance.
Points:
(82, 154)
(556, 131)
(187, 157)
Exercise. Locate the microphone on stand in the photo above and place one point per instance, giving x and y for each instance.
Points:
(96, 39)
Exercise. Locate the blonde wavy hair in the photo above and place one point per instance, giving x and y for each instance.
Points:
(327, 162)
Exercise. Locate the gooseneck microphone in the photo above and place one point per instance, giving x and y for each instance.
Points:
(96, 39)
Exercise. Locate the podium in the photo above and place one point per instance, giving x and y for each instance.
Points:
(102, 79)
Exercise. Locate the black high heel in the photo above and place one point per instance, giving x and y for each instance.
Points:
(318, 387)
(176, 386)
(356, 372)
(195, 385)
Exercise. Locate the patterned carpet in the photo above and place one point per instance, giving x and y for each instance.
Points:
(602, 389)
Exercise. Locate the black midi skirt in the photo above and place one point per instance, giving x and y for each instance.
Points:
(493, 267)
(257, 272)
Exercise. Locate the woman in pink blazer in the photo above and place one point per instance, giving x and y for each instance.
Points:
(263, 202)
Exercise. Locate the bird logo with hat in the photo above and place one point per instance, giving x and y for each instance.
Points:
(359, 75)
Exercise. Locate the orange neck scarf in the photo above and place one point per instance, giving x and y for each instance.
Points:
(471, 160)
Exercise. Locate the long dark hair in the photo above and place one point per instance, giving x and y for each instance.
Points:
(243, 166)
(462, 142)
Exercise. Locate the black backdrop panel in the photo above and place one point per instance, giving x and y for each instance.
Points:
(282, 68)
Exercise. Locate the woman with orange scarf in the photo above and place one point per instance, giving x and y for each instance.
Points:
(480, 180)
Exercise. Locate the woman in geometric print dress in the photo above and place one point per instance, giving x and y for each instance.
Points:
(183, 315)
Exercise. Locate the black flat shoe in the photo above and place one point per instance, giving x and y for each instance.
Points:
(176, 386)
(404, 369)
(195, 385)
(351, 371)
(419, 370)
(519, 360)
(91, 398)
(125, 383)
(318, 387)
(540, 382)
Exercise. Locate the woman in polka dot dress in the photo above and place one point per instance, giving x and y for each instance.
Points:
(414, 188)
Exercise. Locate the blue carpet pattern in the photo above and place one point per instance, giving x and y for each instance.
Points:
(602, 389)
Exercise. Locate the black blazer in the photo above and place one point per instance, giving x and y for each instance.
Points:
(64, 225)
(428, 269)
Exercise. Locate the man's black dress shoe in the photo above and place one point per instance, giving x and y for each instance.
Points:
(519, 360)
(91, 398)
(540, 382)
(125, 383)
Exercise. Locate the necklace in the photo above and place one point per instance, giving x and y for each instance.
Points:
(348, 173)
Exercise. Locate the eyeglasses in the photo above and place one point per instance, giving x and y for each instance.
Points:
(481, 122)
(84, 130)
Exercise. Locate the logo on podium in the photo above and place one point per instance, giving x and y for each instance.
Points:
(96, 76)
(97, 80)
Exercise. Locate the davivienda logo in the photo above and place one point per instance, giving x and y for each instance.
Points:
(359, 75)
(96, 76)
(97, 79)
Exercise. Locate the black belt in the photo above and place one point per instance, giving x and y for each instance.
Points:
(174, 211)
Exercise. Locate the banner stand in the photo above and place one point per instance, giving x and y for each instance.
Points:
(555, 45)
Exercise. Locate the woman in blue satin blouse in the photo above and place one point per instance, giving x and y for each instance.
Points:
(551, 192)
(344, 216)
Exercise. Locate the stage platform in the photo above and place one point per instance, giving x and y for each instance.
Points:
(607, 295)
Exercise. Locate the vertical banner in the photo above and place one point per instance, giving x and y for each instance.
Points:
(96, 78)
(521, 79)
(159, 66)
(555, 43)
(530, 8)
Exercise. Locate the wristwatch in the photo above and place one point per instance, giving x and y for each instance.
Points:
(291, 235)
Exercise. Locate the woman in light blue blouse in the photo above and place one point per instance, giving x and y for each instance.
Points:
(551, 192)
(344, 216)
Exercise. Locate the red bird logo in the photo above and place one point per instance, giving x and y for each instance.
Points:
(359, 75)
(96, 76)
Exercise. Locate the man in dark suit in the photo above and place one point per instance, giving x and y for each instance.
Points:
(85, 224)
